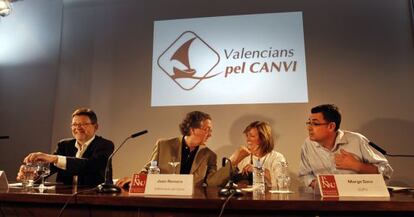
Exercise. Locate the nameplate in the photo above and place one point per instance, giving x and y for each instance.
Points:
(138, 182)
(352, 185)
(169, 184)
(4, 184)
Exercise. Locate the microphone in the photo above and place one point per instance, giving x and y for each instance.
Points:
(108, 186)
(4, 137)
(382, 151)
(138, 134)
(230, 189)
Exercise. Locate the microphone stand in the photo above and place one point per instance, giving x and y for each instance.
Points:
(400, 155)
(230, 189)
(108, 186)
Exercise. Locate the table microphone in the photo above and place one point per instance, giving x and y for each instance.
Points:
(382, 151)
(108, 186)
(4, 137)
(230, 189)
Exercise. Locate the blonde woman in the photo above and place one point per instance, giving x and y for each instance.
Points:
(259, 146)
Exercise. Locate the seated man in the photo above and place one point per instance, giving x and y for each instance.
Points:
(191, 151)
(81, 159)
(330, 150)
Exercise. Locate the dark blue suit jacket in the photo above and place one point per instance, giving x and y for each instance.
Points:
(90, 169)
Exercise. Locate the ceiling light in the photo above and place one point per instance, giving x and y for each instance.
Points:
(5, 7)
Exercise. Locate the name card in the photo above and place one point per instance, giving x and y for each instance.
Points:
(3, 181)
(138, 183)
(352, 185)
(170, 184)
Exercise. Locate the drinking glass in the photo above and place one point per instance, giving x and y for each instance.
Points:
(283, 179)
(43, 171)
(283, 183)
(29, 174)
(316, 190)
(174, 163)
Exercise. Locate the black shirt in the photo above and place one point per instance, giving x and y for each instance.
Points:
(187, 158)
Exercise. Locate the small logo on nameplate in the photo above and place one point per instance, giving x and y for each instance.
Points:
(328, 185)
(138, 183)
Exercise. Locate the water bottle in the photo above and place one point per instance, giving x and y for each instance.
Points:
(153, 169)
(283, 179)
(258, 178)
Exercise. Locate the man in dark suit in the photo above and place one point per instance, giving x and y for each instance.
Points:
(82, 159)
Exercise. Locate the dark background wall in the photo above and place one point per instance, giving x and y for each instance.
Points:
(29, 59)
(60, 55)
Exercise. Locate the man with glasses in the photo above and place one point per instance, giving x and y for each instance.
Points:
(81, 159)
(190, 152)
(329, 150)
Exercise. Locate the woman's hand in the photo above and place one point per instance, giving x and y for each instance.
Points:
(246, 169)
(239, 155)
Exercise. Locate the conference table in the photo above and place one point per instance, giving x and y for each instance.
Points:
(204, 202)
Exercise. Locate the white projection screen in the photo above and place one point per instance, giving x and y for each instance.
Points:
(244, 59)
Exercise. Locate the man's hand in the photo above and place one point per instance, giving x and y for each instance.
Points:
(346, 160)
(20, 174)
(26, 172)
(40, 156)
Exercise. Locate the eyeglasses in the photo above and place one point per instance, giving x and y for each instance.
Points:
(207, 129)
(313, 124)
(74, 125)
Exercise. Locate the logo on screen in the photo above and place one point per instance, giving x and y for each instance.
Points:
(189, 60)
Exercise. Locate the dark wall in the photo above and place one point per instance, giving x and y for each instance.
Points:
(29, 59)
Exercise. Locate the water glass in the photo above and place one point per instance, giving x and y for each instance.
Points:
(43, 171)
(29, 174)
(316, 190)
(174, 163)
(259, 195)
(283, 183)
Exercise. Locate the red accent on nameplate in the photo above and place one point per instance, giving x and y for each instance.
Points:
(138, 183)
(328, 185)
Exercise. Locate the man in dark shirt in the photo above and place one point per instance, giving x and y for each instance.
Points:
(81, 159)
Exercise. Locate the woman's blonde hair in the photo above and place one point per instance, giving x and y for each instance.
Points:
(265, 135)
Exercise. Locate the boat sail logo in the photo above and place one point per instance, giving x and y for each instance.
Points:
(189, 60)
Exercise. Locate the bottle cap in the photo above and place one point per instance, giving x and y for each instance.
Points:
(154, 163)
